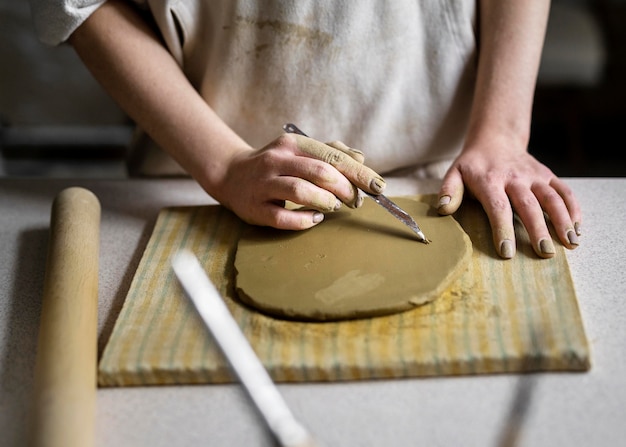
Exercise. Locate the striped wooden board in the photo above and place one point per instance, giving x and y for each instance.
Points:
(500, 316)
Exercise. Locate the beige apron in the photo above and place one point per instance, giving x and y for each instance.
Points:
(392, 78)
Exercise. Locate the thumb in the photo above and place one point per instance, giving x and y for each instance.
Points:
(451, 192)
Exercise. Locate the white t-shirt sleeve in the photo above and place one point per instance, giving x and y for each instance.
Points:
(56, 20)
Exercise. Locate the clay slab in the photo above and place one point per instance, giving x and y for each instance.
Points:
(357, 263)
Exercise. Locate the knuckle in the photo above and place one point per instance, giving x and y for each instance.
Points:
(498, 204)
(551, 196)
(279, 217)
(281, 222)
(268, 160)
(364, 175)
(526, 202)
(291, 220)
(321, 171)
(285, 139)
(334, 157)
(492, 177)
(296, 190)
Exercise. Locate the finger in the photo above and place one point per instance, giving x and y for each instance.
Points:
(571, 202)
(355, 197)
(451, 192)
(284, 219)
(554, 206)
(354, 153)
(498, 209)
(298, 164)
(529, 209)
(359, 174)
(305, 193)
(325, 177)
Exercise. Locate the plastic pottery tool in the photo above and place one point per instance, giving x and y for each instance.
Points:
(381, 199)
(235, 347)
(65, 371)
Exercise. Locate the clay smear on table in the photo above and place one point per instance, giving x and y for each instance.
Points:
(357, 263)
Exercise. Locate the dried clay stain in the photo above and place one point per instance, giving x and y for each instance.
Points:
(352, 284)
(290, 33)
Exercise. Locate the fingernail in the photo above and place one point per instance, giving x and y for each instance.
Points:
(507, 249)
(337, 205)
(546, 247)
(318, 217)
(577, 228)
(572, 237)
(445, 200)
(377, 185)
(359, 201)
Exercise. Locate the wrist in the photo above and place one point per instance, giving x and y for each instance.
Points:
(499, 128)
(217, 172)
(497, 139)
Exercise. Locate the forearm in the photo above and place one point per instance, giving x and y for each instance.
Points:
(128, 59)
(511, 39)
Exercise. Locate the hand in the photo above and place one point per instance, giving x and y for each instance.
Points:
(302, 170)
(508, 182)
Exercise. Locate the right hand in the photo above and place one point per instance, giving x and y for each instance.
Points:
(318, 176)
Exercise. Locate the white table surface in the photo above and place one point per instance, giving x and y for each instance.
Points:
(573, 409)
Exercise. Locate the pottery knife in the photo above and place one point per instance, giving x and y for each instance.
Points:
(235, 347)
(381, 199)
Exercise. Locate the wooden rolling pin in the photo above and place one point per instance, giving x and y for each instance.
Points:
(65, 372)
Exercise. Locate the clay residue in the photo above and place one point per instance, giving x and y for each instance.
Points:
(290, 33)
(353, 284)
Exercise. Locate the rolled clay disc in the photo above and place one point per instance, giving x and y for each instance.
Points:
(356, 263)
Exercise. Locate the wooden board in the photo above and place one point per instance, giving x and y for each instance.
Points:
(500, 316)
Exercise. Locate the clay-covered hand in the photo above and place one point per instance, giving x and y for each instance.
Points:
(294, 168)
(507, 182)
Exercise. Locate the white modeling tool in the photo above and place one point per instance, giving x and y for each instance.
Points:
(253, 376)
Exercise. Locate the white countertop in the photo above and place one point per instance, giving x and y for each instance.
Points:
(573, 409)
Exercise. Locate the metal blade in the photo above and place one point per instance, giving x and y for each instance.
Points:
(398, 213)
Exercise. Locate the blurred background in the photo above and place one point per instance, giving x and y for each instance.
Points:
(56, 121)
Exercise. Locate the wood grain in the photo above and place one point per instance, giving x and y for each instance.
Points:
(500, 316)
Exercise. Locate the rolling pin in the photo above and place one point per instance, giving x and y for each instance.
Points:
(65, 371)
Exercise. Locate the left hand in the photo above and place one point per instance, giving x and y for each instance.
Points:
(508, 181)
